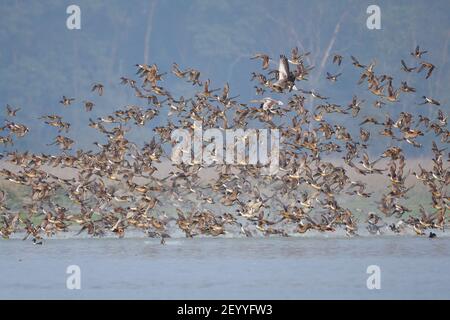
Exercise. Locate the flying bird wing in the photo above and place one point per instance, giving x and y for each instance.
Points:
(283, 68)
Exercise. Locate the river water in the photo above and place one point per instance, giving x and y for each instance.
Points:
(220, 268)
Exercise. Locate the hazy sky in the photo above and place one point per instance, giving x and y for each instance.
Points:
(41, 59)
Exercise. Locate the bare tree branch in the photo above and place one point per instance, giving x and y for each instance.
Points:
(148, 31)
(331, 44)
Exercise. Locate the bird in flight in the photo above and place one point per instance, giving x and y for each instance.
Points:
(66, 101)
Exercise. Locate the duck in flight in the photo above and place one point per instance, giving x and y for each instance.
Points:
(417, 53)
(66, 101)
(265, 59)
(333, 78)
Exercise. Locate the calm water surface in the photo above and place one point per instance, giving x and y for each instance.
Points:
(271, 268)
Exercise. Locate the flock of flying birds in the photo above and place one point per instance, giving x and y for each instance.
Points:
(116, 186)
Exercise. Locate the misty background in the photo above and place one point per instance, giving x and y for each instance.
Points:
(41, 59)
